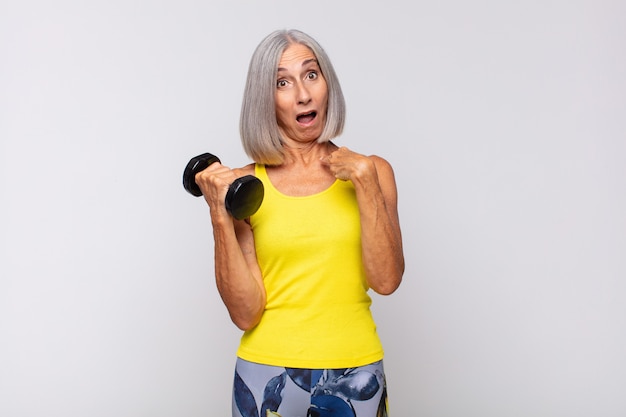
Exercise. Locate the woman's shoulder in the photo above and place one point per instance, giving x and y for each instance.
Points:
(245, 170)
(381, 163)
(384, 171)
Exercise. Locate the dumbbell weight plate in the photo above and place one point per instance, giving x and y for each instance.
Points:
(195, 165)
(244, 196)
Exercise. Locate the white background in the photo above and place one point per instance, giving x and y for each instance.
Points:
(506, 125)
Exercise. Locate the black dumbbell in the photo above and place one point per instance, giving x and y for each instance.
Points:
(244, 196)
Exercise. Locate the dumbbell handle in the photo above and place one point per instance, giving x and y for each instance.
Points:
(244, 196)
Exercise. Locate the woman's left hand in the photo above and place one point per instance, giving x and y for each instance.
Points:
(348, 165)
(376, 193)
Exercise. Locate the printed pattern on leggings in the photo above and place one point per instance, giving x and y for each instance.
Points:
(270, 391)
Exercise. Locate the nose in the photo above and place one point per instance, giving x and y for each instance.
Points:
(304, 96)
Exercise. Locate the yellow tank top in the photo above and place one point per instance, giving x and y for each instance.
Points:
(318, 311)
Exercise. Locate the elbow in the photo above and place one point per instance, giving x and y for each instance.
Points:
(245, 324)
(388, 288)
(247, 321)
(389, 285)
(391, 282)
(246, 312)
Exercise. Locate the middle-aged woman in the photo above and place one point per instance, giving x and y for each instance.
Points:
(295, 275)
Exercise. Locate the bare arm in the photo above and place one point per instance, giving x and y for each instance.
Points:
(237, 272)
(381, 238)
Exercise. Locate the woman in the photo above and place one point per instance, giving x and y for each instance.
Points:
(295, 275)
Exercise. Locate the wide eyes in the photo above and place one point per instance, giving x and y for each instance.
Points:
(310, 76)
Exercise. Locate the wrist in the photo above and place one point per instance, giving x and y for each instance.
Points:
(220, 217)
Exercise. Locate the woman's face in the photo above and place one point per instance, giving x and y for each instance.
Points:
(301, 95)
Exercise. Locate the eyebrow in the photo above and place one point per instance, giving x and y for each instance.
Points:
(304, 63)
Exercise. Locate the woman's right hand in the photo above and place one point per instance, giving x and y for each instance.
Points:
(214, 182)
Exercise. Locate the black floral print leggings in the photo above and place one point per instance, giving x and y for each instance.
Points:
(271, 391)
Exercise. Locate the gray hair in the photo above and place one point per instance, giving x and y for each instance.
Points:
(258, 126)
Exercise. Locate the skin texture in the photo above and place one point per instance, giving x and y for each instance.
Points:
(310, 167)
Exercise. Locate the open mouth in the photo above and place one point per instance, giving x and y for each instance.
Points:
(306, 117)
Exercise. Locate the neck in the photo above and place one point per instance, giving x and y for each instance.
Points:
(305, 154)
